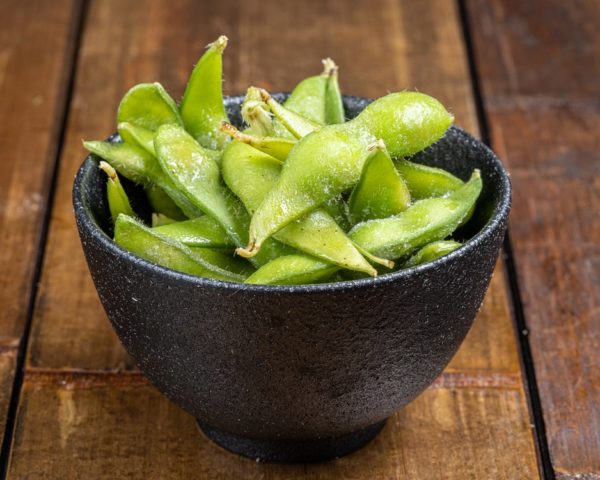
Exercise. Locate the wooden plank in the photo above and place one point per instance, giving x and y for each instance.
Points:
(543, 49)
(35, 56)
(127, 430)
(554, 157)
(8, 363)
(538, 69)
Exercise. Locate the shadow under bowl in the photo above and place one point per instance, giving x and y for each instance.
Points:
(297, 373)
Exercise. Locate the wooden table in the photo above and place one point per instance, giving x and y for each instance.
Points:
(521, 398)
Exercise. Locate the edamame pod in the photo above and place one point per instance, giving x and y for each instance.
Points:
(334, 106)
(203, 232)
(380, 192)
(150, 245)
(161, 203)
(337, 208)
(432, 251)
(139, 136)
(292, 270)
(225, 260)
(197, 175)
(308, 97)
(250, 174)
(140, 167)
(425, 182)
(329, 161)
(148, 105)
(294, 122)
(277, 147)
(202, 107)
(159, 219)
(118, 202)
(424, 222)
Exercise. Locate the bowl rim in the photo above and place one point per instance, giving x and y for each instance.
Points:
(499, 215)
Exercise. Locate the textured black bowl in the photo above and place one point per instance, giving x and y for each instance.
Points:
(298, 373)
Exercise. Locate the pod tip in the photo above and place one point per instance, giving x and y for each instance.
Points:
(266, 96)
(329, 67)
(250, 251)
(377, 145)
(219, 44)
(233, 132)
(106, 168)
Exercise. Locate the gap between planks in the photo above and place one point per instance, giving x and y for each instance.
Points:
(546, 470)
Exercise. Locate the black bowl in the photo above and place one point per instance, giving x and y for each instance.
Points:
(298, 373)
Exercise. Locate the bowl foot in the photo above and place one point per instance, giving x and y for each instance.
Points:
(292, 451)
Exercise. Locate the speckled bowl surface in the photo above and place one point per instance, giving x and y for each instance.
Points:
(297, 373)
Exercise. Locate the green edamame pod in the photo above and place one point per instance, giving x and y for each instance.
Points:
(135, 135)
(202, 107)
(161, 203)
(159, 219)
(294, 122)
(380, 192)
(118, 202)
(148, 105)
(337, 208)
(140, 167)
(250, 174)
(329, 161)
(334, 106)
(432, 251)
(255, 113)
(203, 232)
(308, 97)
(197, 175)
(275, 146)
(424, 222)
(150, 245)
(425, 182)
(292, 270)
(225, 260)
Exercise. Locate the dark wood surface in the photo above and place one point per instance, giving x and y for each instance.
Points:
(74, 404)
(36, 51)
(539, 70)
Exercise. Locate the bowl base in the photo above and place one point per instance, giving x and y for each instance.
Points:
(292, 451)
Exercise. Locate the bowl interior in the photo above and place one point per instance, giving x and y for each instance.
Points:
(457, 152)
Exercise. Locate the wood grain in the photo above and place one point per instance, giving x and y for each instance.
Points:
(554, 155)
(36, 45)
(539, 72)
(130, 431)
(104, 421)
(543, 50)
(35, 57)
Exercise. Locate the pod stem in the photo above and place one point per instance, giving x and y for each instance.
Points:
(380, 261)
(249, 251)
(233, 132)
(377, 145)
(329, 67)
(109, 170)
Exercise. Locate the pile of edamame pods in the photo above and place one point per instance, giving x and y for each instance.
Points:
(298, 196)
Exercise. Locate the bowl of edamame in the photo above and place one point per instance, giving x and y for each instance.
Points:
(289, 269)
